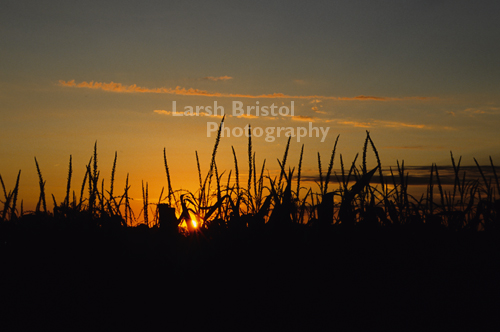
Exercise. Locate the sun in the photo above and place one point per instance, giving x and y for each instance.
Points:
(193, 220)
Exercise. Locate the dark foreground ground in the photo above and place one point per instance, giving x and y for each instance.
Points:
(295, 278)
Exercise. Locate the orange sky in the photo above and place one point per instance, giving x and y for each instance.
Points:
(422, 77)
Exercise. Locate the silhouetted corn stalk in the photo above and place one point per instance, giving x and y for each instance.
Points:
(297, 192)
(9, 207)
(169, 188)
(470, 204)
(320, 174)
(145, 203)
(330, 166)
(346, 212)
(283, 162)
(68, 184)
(208, 178)
(237, 176)
(250, 170)
(41, 183)
(495, 176)
(14, 198)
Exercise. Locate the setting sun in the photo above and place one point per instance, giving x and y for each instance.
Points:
(194, 223)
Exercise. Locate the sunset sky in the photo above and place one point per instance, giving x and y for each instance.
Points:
(422, 76)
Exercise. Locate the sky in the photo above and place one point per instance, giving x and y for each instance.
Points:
(423, 77)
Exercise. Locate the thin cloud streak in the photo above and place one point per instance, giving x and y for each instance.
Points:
(163, 112)
(202, 113)
(304, 118)
(248, 116)
(419, 175)
(120, 88)
(353, 123)
(388, 124)
(356, 124)
(220, 78)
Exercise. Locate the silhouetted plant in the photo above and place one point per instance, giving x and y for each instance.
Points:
(221, 202)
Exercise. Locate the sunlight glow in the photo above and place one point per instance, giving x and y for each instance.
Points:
(193, 220)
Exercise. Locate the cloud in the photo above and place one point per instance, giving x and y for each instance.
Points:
(388, 124)
(163, 112)
(220, 78)
(248, 116)
(305, 118)
(215, 116)
(473, 112)
(315, 109)
(356, 124)
(212, 115)
(365, 98)
(118, 87)
(384, 98)
(419, 175)
(402, 124)
(203, 113)
(121, 88)
(299, 81)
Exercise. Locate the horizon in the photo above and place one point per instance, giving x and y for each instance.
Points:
(56, 181)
